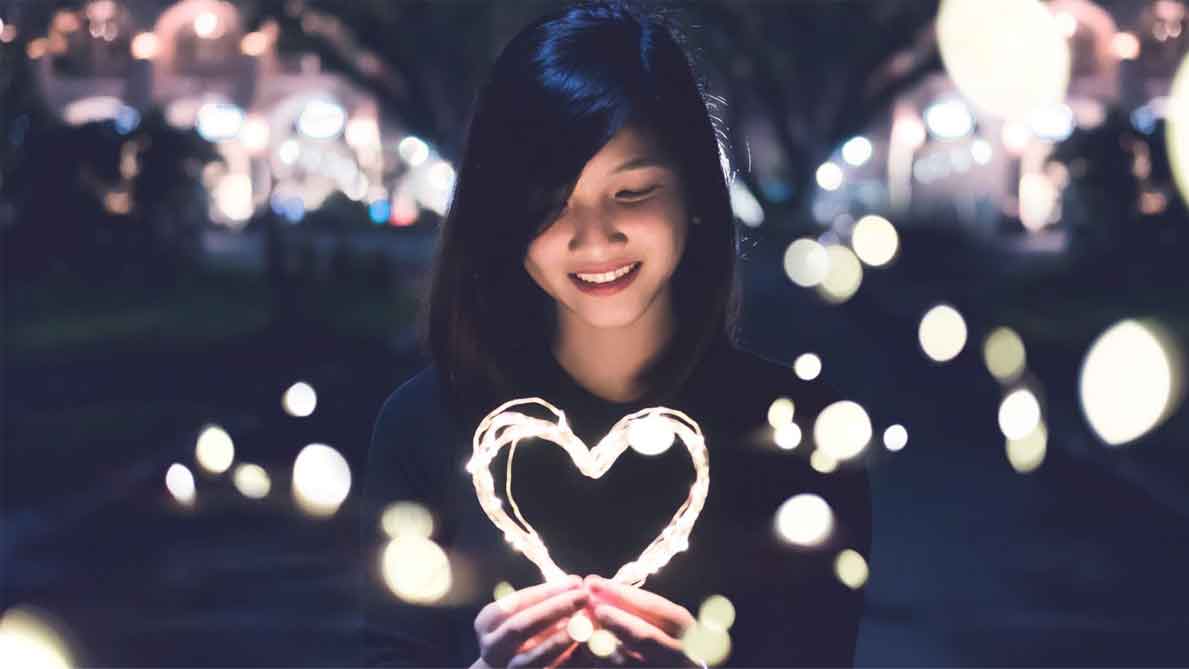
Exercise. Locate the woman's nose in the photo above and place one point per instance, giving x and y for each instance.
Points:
(593, 229)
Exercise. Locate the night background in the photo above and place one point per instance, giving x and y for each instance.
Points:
(217, 220)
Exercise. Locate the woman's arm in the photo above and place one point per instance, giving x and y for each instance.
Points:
(396, 633)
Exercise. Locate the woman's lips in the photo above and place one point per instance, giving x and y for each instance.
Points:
(609, 288)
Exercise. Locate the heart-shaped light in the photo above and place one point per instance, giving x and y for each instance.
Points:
(502, 427)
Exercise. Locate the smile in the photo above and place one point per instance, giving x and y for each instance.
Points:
(607, 283)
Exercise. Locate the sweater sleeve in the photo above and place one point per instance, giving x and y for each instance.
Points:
(396, 633)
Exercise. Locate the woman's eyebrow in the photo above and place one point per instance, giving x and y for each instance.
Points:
(642, 161)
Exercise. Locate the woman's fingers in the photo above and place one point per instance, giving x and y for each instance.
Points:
(545, 652)
(510, 634)
(671, 618)
(500, 610)
(637, 633)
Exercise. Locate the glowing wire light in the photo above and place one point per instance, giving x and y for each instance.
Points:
(502, 427)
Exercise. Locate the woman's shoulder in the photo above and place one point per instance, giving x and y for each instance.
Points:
(414, 406)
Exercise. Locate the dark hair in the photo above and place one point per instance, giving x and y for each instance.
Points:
(557, 93)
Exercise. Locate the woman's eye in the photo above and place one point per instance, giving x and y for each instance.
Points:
(633, 194)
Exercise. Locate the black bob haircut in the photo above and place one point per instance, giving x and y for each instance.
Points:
(559, 91)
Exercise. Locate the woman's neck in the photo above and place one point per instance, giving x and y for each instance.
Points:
(607, 361)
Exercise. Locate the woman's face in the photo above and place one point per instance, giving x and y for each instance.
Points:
(627, 207)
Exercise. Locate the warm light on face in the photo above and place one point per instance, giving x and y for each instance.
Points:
(637, 214)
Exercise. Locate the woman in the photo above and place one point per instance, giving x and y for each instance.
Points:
(588, 258)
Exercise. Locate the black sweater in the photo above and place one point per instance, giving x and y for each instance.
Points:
(791, 610)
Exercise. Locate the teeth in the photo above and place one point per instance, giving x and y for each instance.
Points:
(607, 276)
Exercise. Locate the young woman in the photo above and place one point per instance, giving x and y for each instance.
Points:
(588, 258)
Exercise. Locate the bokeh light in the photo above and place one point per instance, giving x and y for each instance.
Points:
(895, 438)
(144, 46)
(829, 176)
(1019, 413)
(252, 481)
(804, 520)
(806, 263)
(717, 611)
(1004, 354)
(787, 436)
(1028, 452)
(851, 569)
(822, 462)
(502, 589)
(602, 643)
(180, 483)
(29, 641)
(842, 430)
(416, 570)
(1176, 128)
(807, 366)
(843, 277)
(321, 480)
(942, 333)
(650, 436)
(704, 643)
(780, 411)
(580, 627)
(214, 450)
(300, 400)
(403, 519)
(1130, 380)
(875, 240)
(1008, 58)
(413, 151)
(856, 151)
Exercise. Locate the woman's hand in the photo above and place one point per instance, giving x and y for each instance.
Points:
(529, 627)
(648, 626)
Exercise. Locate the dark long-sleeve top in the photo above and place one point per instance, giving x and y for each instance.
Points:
(791, 608)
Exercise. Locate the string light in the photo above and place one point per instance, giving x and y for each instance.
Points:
(502, 427)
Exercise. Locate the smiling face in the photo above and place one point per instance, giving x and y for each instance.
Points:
(627, 207)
